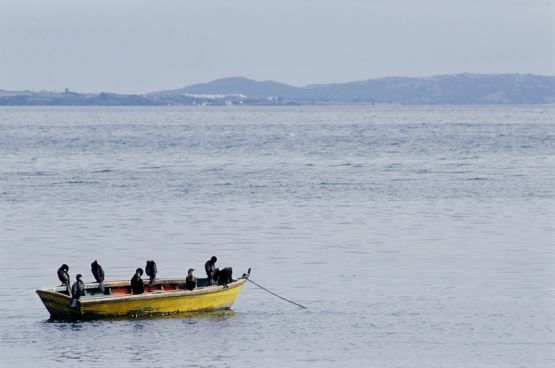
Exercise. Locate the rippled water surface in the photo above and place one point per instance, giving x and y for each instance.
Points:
(416, 236)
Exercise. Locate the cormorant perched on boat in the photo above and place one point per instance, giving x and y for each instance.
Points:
(77, 290)
(64, 277)
(151, 270)
(224, 276)
(137, 285)
(247, 274)
(210, 268)
(191, 280)
(98, 274)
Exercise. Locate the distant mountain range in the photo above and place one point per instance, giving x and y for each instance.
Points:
(443, 89)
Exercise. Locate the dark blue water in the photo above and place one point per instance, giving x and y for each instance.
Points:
(416, 236)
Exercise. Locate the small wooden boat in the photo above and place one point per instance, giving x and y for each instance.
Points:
(165, 296)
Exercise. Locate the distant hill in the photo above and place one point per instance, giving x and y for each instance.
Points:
(444, 89)
(237, 86)
(447, 89)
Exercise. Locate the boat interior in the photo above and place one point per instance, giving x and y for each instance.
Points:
(124, 287)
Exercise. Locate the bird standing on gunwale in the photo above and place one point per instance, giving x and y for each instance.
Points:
(151, 270)
(137, 284)
(98, 274)
(210, 268)
(63, 275)
(224, 276)
(191, 280)
(77, 290)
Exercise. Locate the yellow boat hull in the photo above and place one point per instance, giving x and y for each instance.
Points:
(157, 302)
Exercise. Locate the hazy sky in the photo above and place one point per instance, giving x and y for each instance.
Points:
(140, 46)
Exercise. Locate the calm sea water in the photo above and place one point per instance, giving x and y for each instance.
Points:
(416, 236)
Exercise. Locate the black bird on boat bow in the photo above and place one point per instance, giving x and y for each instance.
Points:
(77, 290)
(224, 276)
(63, 275)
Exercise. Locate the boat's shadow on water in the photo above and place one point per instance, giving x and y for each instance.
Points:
(218, 315)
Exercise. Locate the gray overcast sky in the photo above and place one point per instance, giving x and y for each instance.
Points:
(141, 46)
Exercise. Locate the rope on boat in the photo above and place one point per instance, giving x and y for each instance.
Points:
(287, 300)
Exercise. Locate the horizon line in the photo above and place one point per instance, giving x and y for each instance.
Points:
(69, 90)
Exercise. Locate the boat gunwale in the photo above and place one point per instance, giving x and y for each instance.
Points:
(158, 294)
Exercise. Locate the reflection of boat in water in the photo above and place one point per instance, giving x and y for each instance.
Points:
(165, 296)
